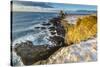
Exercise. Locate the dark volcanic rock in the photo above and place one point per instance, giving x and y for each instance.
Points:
(46, 24)
(40, 28)
(43, 28)
(37, 27)
(56, 19)
(58, 27)
(58, 40)
(53, 33)
(30, 53)
(60, 30)
(51, 28)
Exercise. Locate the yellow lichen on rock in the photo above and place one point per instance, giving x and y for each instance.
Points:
(84, 29)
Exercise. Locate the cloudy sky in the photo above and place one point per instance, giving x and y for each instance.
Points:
(48, 7)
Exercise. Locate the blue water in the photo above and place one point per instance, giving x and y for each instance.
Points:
(23, 28)
(23, 24)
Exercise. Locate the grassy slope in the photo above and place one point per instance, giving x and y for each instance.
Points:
(85, 28)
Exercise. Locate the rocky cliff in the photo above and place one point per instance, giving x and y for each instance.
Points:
(85, 28)
(80, 41)
(82, 52)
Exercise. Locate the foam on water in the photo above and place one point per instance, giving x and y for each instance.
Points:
(37, 39)
(16, 60)
(24, 28)
(42, 36)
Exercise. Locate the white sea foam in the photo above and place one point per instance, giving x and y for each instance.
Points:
(21, 27)
(16, 59)
(43, 34)
(26, 28)
(31, 37)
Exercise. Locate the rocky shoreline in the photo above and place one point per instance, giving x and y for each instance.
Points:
(82, 52)
(31, 53)
(58, 52)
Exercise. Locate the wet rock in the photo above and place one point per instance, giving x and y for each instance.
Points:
(43, 28)
(24, 44)
(51, 28)
(58, 40)
(30, 53)
(40, 28)
(55, 20)
(37, 27)
(53, 33)
(46, 24)
(60, 31)
(58, 26)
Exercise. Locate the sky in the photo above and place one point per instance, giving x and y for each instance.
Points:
(46, 6)
(74, 7)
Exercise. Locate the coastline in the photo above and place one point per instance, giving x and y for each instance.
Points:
(58, 40)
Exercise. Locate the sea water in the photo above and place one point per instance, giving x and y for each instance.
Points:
(23, 29)
(24, 23)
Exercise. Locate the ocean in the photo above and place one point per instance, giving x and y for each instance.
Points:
(27, 26)
(24, 28)
(24, 23)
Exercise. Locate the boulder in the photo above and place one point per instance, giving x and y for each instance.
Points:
(58, 40)
(83, 52)
(30, 53)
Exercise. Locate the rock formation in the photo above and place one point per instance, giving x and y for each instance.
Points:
(30, 53)
(82, 52)
(60, 51)
(85, 28)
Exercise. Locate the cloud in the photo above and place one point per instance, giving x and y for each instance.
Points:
(23, 8)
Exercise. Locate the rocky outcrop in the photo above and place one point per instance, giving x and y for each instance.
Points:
(59, 51)
(58, 26)
(30, 53)
(83, 52)
(86, 25)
